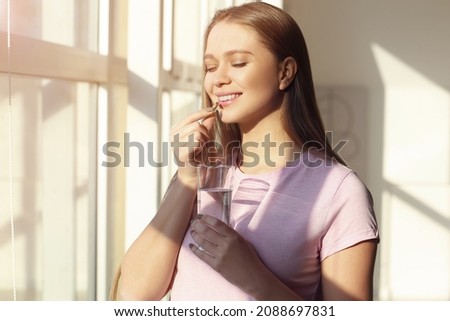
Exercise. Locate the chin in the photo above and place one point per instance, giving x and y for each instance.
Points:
(226, 118)
(227, 121)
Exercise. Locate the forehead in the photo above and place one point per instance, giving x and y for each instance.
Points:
(227, 36)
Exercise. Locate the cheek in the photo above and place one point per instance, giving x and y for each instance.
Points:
(260, 78)
(208, 84)
(265, 84)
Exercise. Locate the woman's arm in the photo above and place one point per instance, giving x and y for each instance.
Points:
(148, 266)
(348, 274)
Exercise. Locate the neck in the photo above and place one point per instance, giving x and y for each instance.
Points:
(267, 146)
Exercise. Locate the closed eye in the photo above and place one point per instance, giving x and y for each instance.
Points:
(239, 64)
(210, 69)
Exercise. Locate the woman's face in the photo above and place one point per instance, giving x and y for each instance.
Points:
(241, 74)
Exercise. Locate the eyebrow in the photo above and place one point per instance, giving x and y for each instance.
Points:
(230, 53)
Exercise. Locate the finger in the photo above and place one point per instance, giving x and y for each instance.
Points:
(183, 133)
(204, 243)
(195, 117)
(187, 146)
(208, 123)
(211, 225)
(204, 234)
(201, 254)
(192, 133)
(189, 139)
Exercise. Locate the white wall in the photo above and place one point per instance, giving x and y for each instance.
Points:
(398, 53)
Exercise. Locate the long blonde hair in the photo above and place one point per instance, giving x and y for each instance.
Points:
(281, 35)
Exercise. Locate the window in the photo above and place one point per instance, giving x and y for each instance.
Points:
(57, 80)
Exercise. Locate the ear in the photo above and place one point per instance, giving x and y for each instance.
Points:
(287, 72)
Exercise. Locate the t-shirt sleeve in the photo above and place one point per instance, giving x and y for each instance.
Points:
(351, 218)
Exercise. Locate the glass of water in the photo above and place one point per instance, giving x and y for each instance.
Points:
(214, 191)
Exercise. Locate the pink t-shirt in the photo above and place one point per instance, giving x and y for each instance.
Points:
(294, 217)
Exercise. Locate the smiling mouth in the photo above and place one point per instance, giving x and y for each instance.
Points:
(227, 98)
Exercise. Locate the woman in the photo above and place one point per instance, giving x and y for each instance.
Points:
(304, 228)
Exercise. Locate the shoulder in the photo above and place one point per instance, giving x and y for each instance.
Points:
(328, 172)
(337, 181)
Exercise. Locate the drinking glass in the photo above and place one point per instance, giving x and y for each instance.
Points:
(214, 191)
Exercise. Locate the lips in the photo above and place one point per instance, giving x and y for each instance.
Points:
(228, 98)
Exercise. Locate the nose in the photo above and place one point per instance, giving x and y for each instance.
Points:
(221, 77)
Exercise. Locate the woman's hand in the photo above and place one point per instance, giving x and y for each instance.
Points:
(227, 252)
(187, 139)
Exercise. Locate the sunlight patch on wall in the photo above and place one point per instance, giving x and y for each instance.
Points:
(417, 117)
